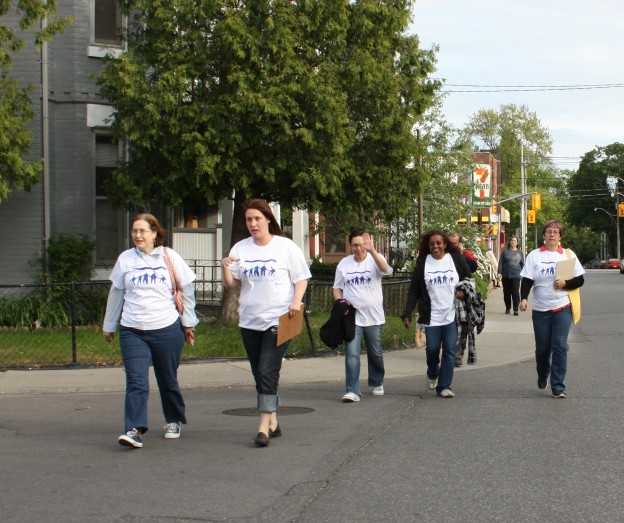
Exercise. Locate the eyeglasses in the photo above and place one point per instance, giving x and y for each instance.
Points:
(142, 232)
(551, 231)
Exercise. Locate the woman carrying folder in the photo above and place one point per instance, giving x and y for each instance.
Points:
(273, 275)
(552, 314)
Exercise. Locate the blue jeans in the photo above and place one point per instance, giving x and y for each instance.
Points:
(551, 345)
(441, 337)
(374, 355)
(265, 358)
(163, 348)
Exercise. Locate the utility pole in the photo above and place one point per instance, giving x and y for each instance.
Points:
(617, 218)
(420, 194)
(523, 203)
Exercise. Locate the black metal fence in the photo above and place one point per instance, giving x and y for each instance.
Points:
(60, 324)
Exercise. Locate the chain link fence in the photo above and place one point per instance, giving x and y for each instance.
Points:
(58, 325)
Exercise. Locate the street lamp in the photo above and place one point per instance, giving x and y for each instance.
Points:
(612, 182)
(613, 218)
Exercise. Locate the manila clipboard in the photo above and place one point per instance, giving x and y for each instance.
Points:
(565, 269)
(288, 328)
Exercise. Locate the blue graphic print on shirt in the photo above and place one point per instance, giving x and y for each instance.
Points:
(440, 278)
(548, 269)
(259, 269)
(148, 276)
(359, 278)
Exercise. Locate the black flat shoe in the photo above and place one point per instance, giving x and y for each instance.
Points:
(262, 440)
(275, 433)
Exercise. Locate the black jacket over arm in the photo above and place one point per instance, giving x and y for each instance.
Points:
(418, 294)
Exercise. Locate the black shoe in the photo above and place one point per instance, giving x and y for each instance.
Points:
(542, 384)
(275, 433)
(559, 394)
(515, 313)
(262, 440)
(507, 311)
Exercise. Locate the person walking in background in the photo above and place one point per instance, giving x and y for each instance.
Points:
(509, 266)
(152, 329)
(273, 275)
(439, 268)
(358, 280)
(457, 240)
(465, 331)
(552, 314)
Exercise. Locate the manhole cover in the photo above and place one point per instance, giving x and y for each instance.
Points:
(283, 411)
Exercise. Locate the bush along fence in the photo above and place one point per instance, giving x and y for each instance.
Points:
(57, 325)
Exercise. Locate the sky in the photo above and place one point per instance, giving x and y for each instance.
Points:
(533, 43)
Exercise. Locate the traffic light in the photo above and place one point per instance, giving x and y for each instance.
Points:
(536, 201)
(621, 210)
(531, 216)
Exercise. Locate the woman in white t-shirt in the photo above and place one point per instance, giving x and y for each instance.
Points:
(552, 314)
(358, 280)
(439, 268)
(273, 275)
(152, 329)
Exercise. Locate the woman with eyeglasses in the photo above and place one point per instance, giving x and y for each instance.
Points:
(552, 313)
(152, 329)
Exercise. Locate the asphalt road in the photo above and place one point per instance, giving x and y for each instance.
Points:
(502, 450)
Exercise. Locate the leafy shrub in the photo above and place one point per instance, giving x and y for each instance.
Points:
(70, 258)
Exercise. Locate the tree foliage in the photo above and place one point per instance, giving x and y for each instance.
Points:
(16, 113)
(309, 104)
(515, 135)
(590, 189)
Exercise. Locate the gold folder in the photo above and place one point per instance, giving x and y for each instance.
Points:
(288, 328)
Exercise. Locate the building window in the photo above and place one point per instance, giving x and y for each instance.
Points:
(108, 221)
(107, 23)
(335, 241)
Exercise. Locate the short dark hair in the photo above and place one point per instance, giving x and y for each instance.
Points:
(553, 224)
(355, 233)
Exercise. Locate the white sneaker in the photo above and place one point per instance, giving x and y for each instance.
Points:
(446, 393)
(378, 391)
(350, 397)
(172, 430)
(432, 383)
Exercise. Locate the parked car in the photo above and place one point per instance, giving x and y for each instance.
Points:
(597, 263)
(614, 263)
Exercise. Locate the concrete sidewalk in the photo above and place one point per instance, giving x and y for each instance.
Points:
(506, 339)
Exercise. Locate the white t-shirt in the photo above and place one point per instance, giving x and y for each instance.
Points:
(540, 266)
(267, 274)
(148, 300)
(361, 286)
(441, 278)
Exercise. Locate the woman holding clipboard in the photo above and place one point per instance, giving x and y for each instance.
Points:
(273, 275)
(552, 313)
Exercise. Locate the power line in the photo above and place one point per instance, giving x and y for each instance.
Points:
(482, 88)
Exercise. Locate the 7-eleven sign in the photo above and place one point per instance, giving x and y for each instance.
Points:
(482, 177)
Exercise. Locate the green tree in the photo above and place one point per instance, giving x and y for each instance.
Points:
(590, 189)
(583, 241)
(16, 113)
(514, 134)
(309, 104)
